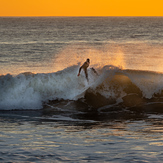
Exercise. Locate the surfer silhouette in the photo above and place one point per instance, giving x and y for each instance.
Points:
(84, 67)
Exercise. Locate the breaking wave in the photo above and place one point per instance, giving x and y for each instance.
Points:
(112, 86)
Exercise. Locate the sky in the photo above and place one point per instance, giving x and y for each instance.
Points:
(81, 8)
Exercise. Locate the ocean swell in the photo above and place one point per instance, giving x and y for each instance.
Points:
(126, 88)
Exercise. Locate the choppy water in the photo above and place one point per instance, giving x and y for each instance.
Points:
(48, 114)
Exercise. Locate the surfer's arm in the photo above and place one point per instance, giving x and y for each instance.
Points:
(80, 70)
(94, 71)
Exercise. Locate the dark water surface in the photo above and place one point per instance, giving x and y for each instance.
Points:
(81, 136)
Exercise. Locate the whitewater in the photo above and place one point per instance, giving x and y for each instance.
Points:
(32, 91)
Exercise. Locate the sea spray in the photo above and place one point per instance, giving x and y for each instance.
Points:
(32, 91)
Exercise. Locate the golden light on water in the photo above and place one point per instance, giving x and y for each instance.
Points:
(72, 56)
(125, 56)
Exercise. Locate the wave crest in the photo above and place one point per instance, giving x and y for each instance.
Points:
(112, 86)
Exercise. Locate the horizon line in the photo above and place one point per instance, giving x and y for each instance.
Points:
(81, 16)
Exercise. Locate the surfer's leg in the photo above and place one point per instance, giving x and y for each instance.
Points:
(86, 74)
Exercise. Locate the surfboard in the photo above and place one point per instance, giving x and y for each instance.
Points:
(82, 92)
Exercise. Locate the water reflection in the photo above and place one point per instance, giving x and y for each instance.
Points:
(74, 134)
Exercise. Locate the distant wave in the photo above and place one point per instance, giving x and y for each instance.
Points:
(112, 86)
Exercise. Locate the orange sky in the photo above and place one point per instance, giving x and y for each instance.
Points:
(81, 8)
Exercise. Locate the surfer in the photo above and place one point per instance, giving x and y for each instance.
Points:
(84, 67)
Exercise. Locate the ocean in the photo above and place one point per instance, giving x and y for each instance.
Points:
(49, 114)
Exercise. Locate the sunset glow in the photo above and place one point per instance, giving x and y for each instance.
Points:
(81, 8)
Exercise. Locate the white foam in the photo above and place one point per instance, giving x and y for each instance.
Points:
(15, 93)
(149, 83)
(30, 91)
(155, 116)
